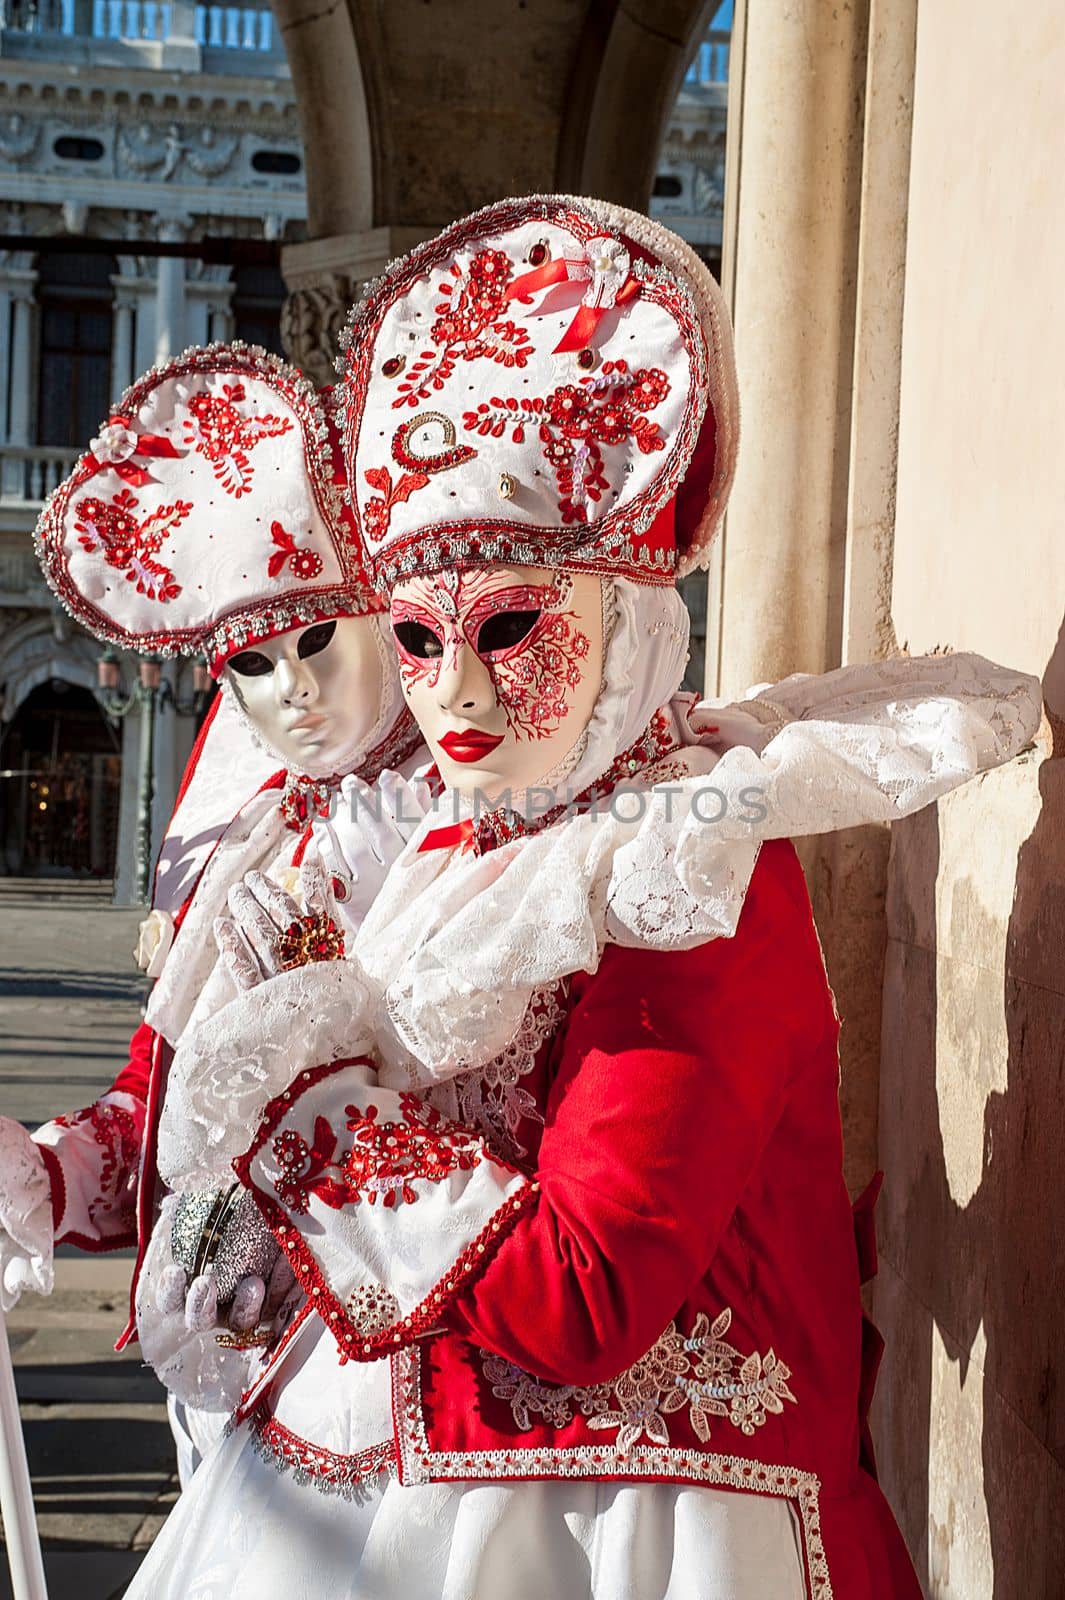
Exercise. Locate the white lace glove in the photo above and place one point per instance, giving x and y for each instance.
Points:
(367, 830)
(266, 932)
(751, 722)
(26, 1237)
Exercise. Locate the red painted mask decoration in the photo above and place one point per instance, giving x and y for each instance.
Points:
(501, 666)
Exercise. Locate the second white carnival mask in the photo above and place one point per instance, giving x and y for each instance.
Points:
(314, 694)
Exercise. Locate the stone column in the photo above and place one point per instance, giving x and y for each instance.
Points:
(19, 421)
(181, 53)
(219, 324)
(170, 291)
(868, 630)
(555, 96)
(23, 385)
(125, 853)
(220, 311)
(174, 738)
(816, 184)
(145, 292)
(209, 290)
(791, 243)
(122, 338)
(5, 353)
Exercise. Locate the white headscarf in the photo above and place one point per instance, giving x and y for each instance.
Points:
(646, 654)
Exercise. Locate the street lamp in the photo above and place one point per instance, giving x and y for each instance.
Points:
(151, 693)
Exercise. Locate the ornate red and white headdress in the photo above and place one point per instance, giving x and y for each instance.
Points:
(549, 381)
(209, 513)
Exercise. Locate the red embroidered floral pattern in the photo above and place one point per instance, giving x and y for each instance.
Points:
(445, 455)
(575, 421)
(301, 563)
(417, 467)
(354, 1342)
(115, 1130)
(115, 530)
(385, 1157)
(533, 678)
(469, 326)
(217, 430)
(533, 681)
(377, 513)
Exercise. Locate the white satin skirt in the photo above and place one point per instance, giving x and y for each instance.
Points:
(242, 1530)
(195, 1435)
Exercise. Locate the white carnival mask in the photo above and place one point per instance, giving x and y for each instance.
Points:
(314, 694)
(502, 668)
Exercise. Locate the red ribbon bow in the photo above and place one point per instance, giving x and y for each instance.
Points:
(148, 444)
(582, 329)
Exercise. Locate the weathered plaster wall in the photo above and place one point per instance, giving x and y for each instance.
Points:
(971, 1407)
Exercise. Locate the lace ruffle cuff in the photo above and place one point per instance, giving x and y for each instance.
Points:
(25, 1216)
(385, 1208)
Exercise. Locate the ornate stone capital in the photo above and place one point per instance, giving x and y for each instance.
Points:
(311, 319)
(173, 229)
(324, 278)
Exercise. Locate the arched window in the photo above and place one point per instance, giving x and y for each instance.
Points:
(74, 384)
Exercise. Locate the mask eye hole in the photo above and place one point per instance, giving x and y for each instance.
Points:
(418, 640)
(315, 639)
(504, 630)
(251, 664)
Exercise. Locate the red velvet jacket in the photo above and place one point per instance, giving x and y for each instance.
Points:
(633, 1257)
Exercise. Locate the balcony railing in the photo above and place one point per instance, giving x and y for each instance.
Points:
(710, 63)
(214, 27)
(29, 473)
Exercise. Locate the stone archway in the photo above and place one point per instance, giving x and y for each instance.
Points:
(60, 761)
(37, 650)
(414, 113)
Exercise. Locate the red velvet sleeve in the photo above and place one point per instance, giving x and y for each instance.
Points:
(675, 1070)
(133, 1079)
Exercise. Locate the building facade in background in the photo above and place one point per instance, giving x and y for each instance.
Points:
(125, 126)
(689, 187)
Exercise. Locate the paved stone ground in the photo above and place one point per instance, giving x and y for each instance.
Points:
(96, 1432)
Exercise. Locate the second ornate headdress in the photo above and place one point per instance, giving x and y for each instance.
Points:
(209, 514)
